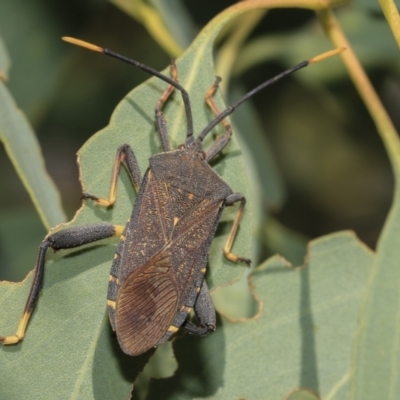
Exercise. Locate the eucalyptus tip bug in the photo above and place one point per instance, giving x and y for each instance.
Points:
(157, 275)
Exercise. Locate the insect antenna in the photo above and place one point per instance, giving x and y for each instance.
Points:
(269, 82)
(151, 71)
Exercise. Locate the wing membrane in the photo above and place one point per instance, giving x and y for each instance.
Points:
(147, 304)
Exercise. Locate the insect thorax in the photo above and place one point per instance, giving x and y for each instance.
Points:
(184, 170)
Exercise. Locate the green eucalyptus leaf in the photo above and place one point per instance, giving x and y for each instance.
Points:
(286, 242)
(377, 348)
(302, 395)
(16, 227)
(23, 149)
(259, 157)
(177, 20)
(4, 61)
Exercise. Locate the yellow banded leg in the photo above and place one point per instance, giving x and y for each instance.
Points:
(223, 140)
(19, 335)
(64, 239)
(209, 97)
(127, 156)
(118, 229)
(218, 145)
(169, 90)
(232, 234)
(160, 120)
(173, 329)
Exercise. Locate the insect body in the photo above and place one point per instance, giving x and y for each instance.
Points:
(158, 273)
(157, 276)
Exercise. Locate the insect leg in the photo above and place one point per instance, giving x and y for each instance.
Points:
(124, 154)
(223, 140)
(64, 239)
(230, 200)
(205, 313)
(160, 120)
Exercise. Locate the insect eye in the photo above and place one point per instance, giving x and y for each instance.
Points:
(203, 155)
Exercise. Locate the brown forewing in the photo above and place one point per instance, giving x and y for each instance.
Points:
(146, 305)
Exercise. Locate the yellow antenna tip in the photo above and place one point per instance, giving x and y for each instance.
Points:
(328, 54)
(81, 43)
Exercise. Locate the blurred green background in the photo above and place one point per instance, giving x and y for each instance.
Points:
(333, 170)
